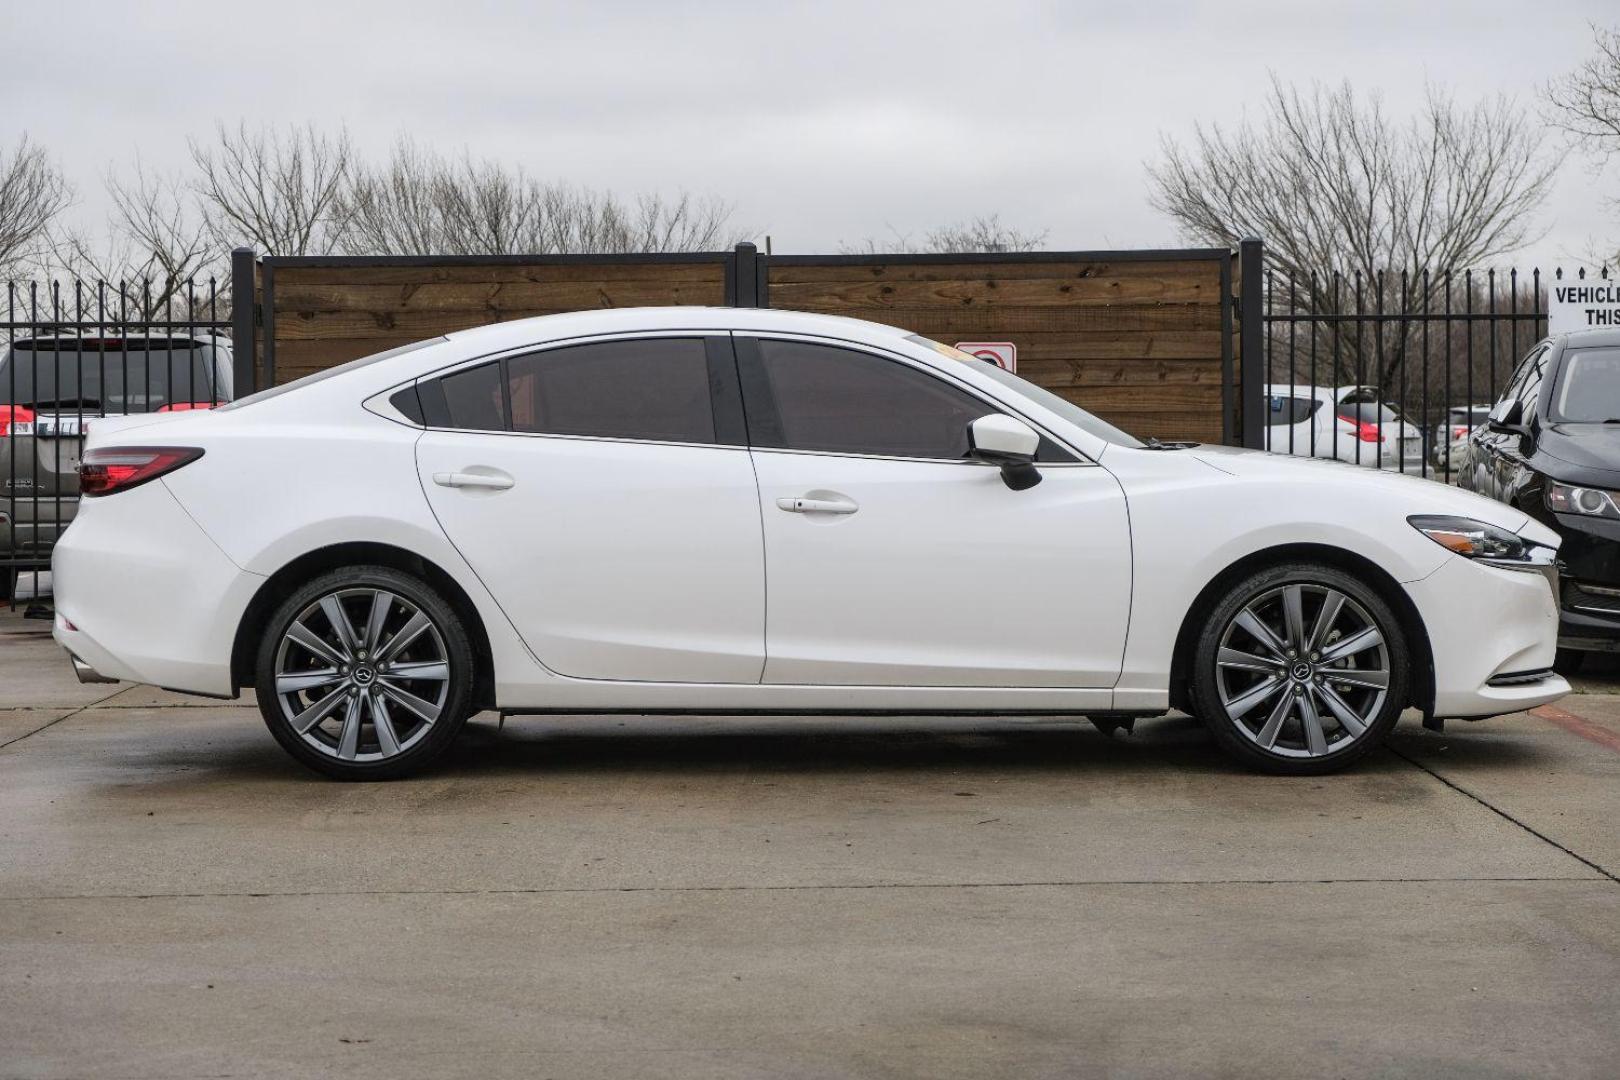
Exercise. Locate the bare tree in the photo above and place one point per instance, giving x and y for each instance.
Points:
(279, 190)
(158, 253)
(977, 234)
(33, 192)
(423, 203)
(1342, 193)
(1585, 105)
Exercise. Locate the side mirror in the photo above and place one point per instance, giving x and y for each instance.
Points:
(1010, 443)
(1507, 417)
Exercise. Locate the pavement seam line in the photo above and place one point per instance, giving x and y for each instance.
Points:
(64, 716)
(591, 890)
(1505, 816)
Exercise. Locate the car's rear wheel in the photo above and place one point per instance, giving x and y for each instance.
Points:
(1300, 669)
(365, 673)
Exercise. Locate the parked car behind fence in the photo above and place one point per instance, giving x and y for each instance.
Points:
(53, 386)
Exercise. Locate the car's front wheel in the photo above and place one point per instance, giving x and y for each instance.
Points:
(1301, 669)
(365, 673)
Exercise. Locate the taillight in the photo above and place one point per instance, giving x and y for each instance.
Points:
(119, 468)
(16, 420)
(186, 406)
(1459, 431)
(1366, 430)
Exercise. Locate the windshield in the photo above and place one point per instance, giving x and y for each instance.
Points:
(128, 376)
(1063, 407)
(1589, 387)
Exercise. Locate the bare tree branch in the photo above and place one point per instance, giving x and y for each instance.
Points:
(33, 192)
(976, 234)
(421, 203)
(1338, 189)
(278, 190)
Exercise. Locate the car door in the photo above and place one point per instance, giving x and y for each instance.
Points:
(604, 494)
(894, 560)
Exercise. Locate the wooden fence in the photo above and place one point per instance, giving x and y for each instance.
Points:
(1145, 339)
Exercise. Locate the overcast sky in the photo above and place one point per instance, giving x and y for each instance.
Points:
(823, 123)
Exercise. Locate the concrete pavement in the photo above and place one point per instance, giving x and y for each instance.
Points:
(875, 897)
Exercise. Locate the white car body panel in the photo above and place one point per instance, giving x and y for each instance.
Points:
(614, 559)
(919, 587)
(1067, 597)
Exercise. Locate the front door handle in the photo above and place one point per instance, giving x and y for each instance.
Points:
(499, 482)
(817, 506)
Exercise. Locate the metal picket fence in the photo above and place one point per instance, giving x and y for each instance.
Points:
(76, 351)
(1391, 369)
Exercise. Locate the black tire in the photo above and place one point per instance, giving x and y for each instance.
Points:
(431, 738)
(1238, 737)
(1568, 661)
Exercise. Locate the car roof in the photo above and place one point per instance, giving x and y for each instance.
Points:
(543, 328)
(1587, 339)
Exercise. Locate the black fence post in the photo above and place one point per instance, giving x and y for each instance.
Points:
(243, 338)
(1251, 335)
(747, 271)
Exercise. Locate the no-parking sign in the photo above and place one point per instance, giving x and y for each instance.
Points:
(1003, 354)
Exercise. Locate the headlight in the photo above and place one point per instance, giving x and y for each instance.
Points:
(1472, 539)
(1593, 502)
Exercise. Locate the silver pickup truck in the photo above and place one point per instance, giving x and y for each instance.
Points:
(53, 386)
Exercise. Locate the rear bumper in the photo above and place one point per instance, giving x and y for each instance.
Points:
(1493, 633)
(143, 595)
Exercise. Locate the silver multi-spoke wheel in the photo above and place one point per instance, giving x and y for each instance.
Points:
(361, 674)
(1302, 670)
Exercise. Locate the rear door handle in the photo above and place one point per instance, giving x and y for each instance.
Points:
(817, 506)
(499, 482)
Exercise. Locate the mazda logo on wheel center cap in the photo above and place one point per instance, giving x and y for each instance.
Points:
(1300, 671)
(363, 675)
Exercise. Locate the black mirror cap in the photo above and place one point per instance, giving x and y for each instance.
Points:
(1020, 475)
(1507, 418)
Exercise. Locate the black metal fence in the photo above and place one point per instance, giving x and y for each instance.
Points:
(73, 352)
(1392, 369)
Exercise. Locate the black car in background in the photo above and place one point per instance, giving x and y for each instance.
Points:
(52, 386)
(1551, 447)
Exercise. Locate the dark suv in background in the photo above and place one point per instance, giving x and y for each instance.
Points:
(1551, 447)
(52, 386)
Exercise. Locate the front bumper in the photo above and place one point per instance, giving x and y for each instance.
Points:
(1589, 596)
(1493, 634)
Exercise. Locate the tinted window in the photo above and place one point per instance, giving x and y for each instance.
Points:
(472, 399)
(1286, 411)
(642, 389)
(843, 401)
(1530, 386)
(133, 375)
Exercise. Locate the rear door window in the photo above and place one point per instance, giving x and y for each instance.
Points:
(644, 388)
(653, 389)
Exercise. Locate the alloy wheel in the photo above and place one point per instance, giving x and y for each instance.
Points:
(1302, 670)
(361, 674)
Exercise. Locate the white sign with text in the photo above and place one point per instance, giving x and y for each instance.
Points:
(1583, 305)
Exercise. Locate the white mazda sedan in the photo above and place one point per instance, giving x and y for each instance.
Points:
(690, 510)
